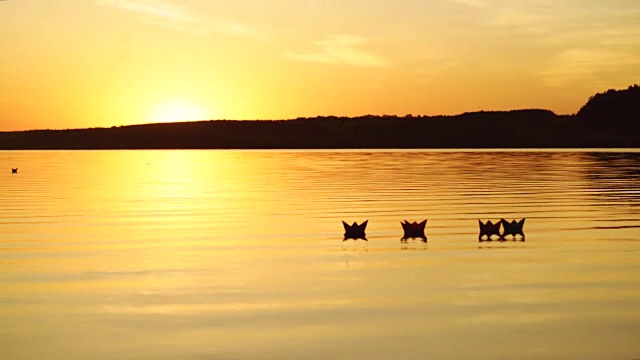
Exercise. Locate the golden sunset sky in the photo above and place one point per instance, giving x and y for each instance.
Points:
(100, 63)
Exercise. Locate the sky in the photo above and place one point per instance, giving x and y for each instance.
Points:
(101, 63)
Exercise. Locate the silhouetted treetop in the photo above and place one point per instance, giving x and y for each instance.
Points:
(613, 111)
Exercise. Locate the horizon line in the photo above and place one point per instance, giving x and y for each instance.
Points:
(409, 115)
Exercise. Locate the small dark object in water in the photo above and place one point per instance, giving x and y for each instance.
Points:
(14, 170)
(413, 230)
(489, 229)
(355, 231)
(512, 228)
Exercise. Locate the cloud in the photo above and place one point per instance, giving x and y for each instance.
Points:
(589, 66)
(238, 29)
(160, 10)
(519, 19)
(472, 3)
(340, 49)
(171, 16)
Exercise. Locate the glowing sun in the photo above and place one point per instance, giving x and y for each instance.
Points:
(179, 111)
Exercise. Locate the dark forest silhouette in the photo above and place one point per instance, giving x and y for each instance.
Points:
(610, 119)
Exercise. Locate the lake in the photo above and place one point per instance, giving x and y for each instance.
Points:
(239, 255)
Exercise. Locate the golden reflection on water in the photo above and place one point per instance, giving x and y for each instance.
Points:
(239, 255)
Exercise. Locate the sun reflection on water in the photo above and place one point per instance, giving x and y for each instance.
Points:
(239, 254)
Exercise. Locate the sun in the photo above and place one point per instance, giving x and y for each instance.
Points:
(176, 111)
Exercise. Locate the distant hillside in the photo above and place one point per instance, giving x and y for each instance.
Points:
(607, 120)
(614, 112)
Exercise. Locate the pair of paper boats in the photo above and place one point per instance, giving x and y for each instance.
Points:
(501, 229)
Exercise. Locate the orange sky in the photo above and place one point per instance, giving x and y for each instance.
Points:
(88, 63)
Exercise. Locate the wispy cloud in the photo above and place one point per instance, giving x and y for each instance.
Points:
(340, 49)
(166, 14)
(589, 66)
(153, 8)
(238, 29)
(472, 3)
(514, 17)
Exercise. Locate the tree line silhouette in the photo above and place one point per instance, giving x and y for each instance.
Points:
(609, 119)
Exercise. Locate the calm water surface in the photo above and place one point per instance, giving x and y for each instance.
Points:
(239, 255)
